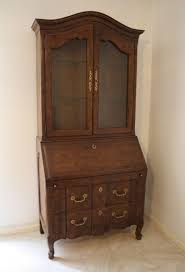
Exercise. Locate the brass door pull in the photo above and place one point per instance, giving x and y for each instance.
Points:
(90, 81)
(96, 81)
(115, 192)
(73, 198)
(73, 222)
(119, 216)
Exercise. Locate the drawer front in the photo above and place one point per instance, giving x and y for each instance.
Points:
(78, 224)
(55, 199)
(100, 221)
(99, 195)
(119, 216)
(119, 192)
(79, 197)
(57, 224)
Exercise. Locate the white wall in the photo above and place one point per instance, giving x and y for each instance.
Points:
(166, 157)
(18, 178)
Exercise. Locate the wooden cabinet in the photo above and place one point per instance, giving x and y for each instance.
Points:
(90, 165)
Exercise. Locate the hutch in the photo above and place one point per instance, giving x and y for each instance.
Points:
(90, 165)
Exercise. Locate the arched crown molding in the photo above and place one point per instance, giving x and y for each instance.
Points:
(88, 16)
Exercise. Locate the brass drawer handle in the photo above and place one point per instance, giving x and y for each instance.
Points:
(73, 198)
(93, 146)
(100, 189)
(115, 192)
(73, 222)
(119, 216)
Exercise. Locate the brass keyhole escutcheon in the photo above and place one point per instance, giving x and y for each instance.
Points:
(93, 146)
(100, 213)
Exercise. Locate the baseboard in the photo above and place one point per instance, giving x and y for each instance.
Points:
(167, 234)
(10, 230)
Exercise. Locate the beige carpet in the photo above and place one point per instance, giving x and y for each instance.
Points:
(116, 251)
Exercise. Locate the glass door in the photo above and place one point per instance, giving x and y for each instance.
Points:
(69, 85)
(113, 93)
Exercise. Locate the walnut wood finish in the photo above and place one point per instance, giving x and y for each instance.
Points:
(91, 179)
(92, 158)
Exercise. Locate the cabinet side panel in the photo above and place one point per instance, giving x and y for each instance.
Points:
(141, 196)
(42, 190)
(38, 70)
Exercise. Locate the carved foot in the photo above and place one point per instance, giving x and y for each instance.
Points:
(138, 231)
(51, 254)
(41, 228)
(51, 248)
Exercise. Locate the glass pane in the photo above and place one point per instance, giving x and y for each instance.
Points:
(112, 86)
(69, 85)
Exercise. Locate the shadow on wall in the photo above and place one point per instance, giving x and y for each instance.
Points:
(149, 189)
(143, 93)
(143, 107)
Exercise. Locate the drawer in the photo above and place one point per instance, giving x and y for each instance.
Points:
(99, 195)
(57, 224)
(78, 224)
(55, 199)
(119, 192)
(100, 221)
(79, 197)
(119, 216)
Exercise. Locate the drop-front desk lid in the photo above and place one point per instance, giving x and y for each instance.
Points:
(72, 159)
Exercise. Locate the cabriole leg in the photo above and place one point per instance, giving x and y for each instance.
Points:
(51, 248)
(138, 231)
(41, 228)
